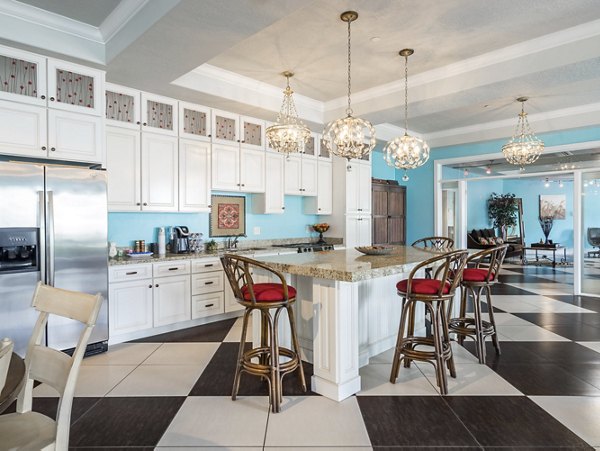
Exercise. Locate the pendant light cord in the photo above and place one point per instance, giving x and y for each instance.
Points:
(349, 109)
(406, 94)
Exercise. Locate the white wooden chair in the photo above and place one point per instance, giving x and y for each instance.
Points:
(6, 349)
(27, 430)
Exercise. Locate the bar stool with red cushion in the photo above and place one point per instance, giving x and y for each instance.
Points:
(433, 293)
(264, 297)
(483, 269)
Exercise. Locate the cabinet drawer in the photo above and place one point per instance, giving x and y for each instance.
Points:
(171, 268)
(129, 272)
(207, 305)
(206, 265)
(207, 282)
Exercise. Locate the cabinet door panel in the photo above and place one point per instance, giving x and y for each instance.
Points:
(194, 175)
(172, 300)
(352, 189)
(122, 105)
(325, 188)
(309, 176)
(194, 121)
(123, 169)
(130, 306)
(274, 184)
(23, 130)
(293, 175)
(159, 114)
(364, 183)
(23, 76)
(225, 168)
(207, 305)
(75, 136)
(364, 231)
(352, 232)
(76, 88)
(225, 127)
(159, 173)
(252, 133)
(252, 171)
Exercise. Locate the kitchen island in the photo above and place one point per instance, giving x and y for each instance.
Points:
(347, 310)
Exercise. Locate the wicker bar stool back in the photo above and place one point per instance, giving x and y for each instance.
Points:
(264, 361)
(433, 294)
(434, 243)
(483, 269)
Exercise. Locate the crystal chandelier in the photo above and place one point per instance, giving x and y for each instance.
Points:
(524, 147)
(349, 137)
(406, 152)
(288, 135)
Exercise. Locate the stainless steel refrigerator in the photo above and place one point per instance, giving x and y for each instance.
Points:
(53, 228)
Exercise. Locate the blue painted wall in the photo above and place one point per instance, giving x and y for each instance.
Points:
(478, 193)
(419, 193)
(591, 212)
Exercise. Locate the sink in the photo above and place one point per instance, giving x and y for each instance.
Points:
(246, 249)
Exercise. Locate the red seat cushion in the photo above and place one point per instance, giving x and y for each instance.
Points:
(476, 275)
(422, 286)
(268, 292)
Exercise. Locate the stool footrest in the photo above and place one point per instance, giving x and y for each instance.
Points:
(409, 350)
(466, 326)
(264, 353)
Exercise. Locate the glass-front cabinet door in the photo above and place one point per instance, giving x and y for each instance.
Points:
(590, 234)
(311, 147)
(159, 114)
(323, 151)
(22, 76)
(122, 106)
(252, 133)
(194, 121)
(225, 127)
(76, 88)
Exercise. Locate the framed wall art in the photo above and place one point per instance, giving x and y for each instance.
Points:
(227, 216)
(553, 206)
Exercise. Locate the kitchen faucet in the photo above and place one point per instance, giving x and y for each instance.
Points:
(231, 242)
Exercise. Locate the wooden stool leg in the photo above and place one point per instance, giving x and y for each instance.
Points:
(440, 369)
(464, 296)
(411, 329)
(479, 337)
(446, 338)
(290, 311)
(274, 376)
(399, 342)
(495, 340)
(265, 322)
(236, 379)
(276, 362)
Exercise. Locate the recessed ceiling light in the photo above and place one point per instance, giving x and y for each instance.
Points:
(375, 39)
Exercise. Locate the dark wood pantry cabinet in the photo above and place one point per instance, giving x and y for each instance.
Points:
(389, 212)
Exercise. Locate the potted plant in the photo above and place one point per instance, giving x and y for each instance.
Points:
(502, 210)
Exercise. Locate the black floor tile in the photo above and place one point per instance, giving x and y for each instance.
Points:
(48, 406)
(588, 372)
(427, 448)
(509, 290)
(511, 421)
(217, 378)
(550, 318)
(412, 421)
(561, 352)
(586, 302)
(545, 379)
(576, 332)
(213, 332)
(120, 422)
(511, 353)
(539, 270)
(521, 278)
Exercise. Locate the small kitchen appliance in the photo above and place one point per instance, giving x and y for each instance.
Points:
(181, 240)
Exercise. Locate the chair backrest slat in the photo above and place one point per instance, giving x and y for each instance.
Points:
(69, 304)
(6, 349)
(490, 259)
(448, 267)
(50, 366)
(434, 242)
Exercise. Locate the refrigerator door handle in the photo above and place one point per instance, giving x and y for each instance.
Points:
(50, 238)
(42, 238)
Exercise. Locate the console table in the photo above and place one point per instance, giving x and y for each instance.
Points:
(543, 249)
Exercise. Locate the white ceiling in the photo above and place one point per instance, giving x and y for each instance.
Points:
(472, 58)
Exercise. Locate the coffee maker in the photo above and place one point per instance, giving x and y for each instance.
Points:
(181, 240)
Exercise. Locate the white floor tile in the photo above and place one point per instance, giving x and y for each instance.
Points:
(375, 380)
(318, 448)
(317, 421)
(507, 319)
(594, 345)
(530, 332)
(159, 380)
(93, 380)
(534, 304)
(123, 354)
(472, 379)
(209, 448)
(219, 421)
(384, 357)
(235, 333)
(545, 288)
(579, 413)
(183, 354)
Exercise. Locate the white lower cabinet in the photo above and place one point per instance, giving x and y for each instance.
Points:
(204, 305)
(172, 300)
(231, 305)
(130, 306)
(358, 231)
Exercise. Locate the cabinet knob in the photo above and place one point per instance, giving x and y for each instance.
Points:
(144, 124)
(283, 208)
(319, 209)
(43, 147)
(43, 97)
(52, 149)
(52, 99)
(238, 140)
(145, 204)
(238, 184)
(150, 286)
(210, 206)
(138, 203)
(210, 136)
(138, 122)
(243, 141)
(156, 285)
(243, 184)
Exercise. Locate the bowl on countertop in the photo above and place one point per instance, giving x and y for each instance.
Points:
(375, 250)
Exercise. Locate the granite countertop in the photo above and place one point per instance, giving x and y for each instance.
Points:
(348, 265)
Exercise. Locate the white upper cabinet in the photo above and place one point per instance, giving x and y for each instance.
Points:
(311, 148)
(322, 204)
(23, 130)
(160, 170)
(323, 151)
(225, 127)
(122, 106)
(309, 176)
(159, 114)
(252, 170)
(272, 201)
(123, 169)
(76, 88)
(252, 133)
(301, 175)
(194, 176)
(75, 137)
(225, 168)
(358, 188)
(358, 231)
(194, 121)
(22, 76)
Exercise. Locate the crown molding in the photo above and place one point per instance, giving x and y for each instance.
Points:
(119, 17)
(387, 132)
(223, 83)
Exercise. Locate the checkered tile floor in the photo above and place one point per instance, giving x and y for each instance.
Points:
(172, 391)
